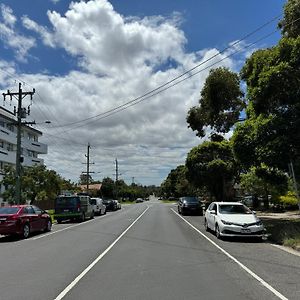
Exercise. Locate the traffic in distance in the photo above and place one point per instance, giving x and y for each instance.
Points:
(22, 220)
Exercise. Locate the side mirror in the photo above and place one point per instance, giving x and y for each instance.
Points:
(254, 212)
(213, 212)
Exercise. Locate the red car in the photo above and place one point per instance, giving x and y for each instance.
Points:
(23, 219)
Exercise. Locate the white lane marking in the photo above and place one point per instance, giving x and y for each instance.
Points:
(85, 271)
(264, 283)
(66, 228)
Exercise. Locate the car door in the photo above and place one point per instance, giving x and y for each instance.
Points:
(33, 218)
(211, 216)
(41, 218)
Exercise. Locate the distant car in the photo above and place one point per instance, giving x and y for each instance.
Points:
(23, 219)
(110, 204)
(139, 200)
(99, 206)
(232, 219)
(189, 205)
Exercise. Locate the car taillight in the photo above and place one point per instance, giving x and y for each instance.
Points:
(78, 207)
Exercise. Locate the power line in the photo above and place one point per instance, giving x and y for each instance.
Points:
(131, 103)
(177, 77)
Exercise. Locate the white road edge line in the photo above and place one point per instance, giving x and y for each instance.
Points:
(66, 228)
(264, 283)
(85, 271)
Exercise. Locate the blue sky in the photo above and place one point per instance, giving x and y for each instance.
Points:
(88, 57)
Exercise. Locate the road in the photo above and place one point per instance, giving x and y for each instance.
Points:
(144, 251)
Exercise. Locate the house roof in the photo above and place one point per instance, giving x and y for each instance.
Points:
(95, 186)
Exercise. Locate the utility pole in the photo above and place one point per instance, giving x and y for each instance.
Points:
(132, 180)
(117, 178)
(117, 170)
(88, 172)
(21, 114)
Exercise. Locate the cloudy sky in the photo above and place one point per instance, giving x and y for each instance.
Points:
(103, 73)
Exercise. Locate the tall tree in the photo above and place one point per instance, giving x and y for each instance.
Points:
(176, 184)
(212, 165)
(38, 183)
(220, 103)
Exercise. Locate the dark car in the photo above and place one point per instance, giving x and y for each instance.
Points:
(190, 205)
(75, 207)
(23, 219)
(110, 204)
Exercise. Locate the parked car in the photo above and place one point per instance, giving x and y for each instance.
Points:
(110, 204)
(118, 204)
(98, 206)
(232, 219)
(23, 219)
(189, 205)
(75, 207)
(139, 200)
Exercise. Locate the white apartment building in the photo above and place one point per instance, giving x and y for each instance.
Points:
(30, 145)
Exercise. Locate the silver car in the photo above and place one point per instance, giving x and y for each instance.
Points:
(99, 206)
(233, 219)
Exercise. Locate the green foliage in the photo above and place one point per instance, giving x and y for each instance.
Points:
(220, 103)
(289, 199)
(273, 80)
(38, 183)
(264, 181)
(211, 165)
(107, 188)
(290, 27)
(177, 184)
(125, 192)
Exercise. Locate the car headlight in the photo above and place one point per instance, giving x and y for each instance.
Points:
(226, 223)
(259, 223)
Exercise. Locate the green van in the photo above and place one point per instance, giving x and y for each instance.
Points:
(74, 207)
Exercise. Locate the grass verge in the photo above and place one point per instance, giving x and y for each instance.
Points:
(284, 232)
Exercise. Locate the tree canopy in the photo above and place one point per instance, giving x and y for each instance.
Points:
(220, 103)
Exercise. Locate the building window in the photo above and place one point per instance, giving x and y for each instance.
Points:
(1, 144)
(10, 127)
(10, 147)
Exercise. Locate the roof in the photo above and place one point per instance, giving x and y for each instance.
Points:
(95, 186)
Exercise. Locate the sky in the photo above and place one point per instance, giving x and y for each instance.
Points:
(91, 63)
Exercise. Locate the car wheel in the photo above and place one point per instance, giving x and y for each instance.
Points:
(104, 211)
(59, 221)
(82, 218)
(48, 226)
(25, 231)
(217, 230)
(206, 225)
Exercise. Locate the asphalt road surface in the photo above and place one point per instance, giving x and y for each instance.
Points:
(144, 251)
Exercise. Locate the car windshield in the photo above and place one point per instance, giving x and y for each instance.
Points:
(8, 210)
(191, 199)
(234, 209)
(93, 201)
(66, 201)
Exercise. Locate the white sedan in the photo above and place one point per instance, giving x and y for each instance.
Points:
(232, 219)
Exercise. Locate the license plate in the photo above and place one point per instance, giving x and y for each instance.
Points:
(245, 230)
(66, 210)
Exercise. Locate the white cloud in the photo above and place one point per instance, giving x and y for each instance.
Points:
(120, 58)
(10, 37)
